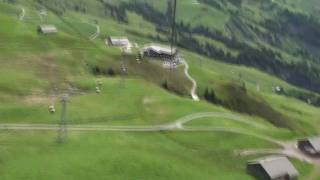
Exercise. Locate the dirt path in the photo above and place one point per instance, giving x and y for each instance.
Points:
(22, 14)
(234, 130)
(193, 90)
(192, 117)
(177, 124)
(96, 34)
(48, 127)
(287, 148)
(170, 127)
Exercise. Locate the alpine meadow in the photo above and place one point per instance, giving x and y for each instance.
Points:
(159, 89)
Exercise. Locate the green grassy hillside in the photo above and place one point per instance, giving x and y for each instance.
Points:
(277, 37)
(35, 70)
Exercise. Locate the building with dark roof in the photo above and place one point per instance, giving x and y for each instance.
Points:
(272, 168)
(310, 146)
(118, 41)
(160, 51)
(47, 29)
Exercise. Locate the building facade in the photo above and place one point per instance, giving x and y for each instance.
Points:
(159, 51)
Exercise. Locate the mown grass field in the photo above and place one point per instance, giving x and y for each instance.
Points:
(36, 70)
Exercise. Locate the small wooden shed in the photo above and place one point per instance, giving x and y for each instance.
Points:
(118, 41)
(47, 29)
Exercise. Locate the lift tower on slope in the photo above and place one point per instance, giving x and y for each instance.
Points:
(63, 129)
(173, 24)
(172, 7)
(173, 31)
(123, 69)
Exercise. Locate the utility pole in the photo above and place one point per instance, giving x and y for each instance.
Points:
(173, 36)
(123, 69)
(173, 25)
(63, 129)
(43, 15)
(98, 86)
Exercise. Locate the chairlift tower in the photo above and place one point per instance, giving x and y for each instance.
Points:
(98, 86)
(123, 69)
(173, 26)
(43, 16)
(173, 35)
(63, 129)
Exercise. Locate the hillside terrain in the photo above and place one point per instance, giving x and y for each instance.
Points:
(144, 123)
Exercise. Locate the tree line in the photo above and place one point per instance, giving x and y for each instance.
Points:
(267, 60)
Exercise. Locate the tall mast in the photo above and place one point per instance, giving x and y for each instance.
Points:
(173, 25)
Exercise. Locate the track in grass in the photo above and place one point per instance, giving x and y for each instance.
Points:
(177, 124)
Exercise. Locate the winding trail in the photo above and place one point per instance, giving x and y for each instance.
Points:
(234, 130)
(287, 148)
(96, 34)
(176, 125)
(186, 119)
(193, 90)
(169, 127)
(52, 127)
(22, 14)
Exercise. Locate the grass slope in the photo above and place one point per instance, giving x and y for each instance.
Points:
(124, 156)
(35, 70)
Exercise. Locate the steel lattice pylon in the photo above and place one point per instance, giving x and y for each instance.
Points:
(173, 25)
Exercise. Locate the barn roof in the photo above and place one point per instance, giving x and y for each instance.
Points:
(48, 29)
(315, 142)
(160, 49)
(277, 167)
(119, 40)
